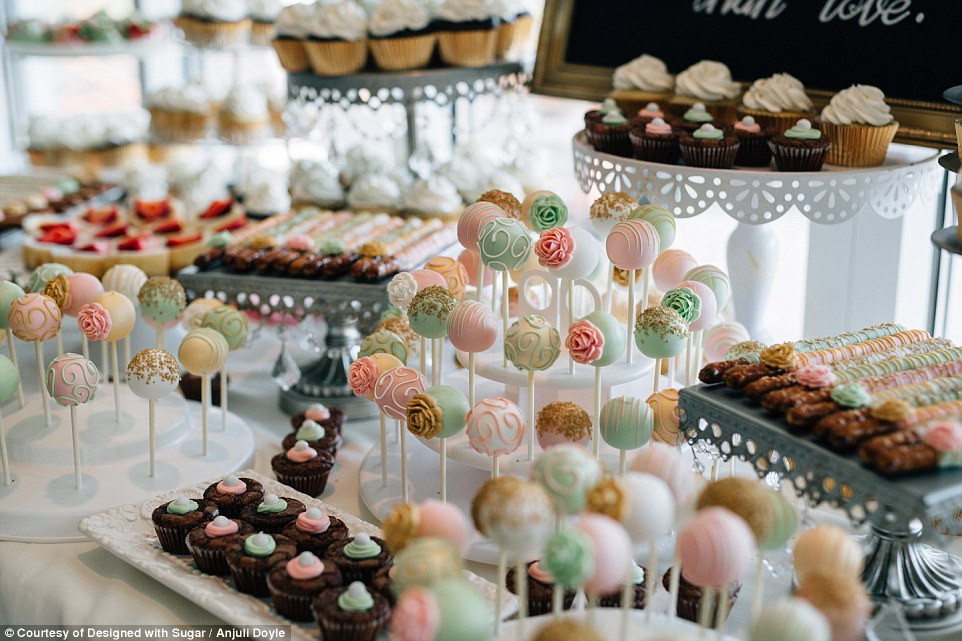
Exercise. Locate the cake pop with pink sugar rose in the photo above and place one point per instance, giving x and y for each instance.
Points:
(611, 548)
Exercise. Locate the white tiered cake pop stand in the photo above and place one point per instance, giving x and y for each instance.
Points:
(43, 505)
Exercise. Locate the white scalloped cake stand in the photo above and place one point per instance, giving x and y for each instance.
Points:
(43, 505)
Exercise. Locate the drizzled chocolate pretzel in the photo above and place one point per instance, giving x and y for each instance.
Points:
(839, 419)
(846, 438)
(741, 375)
(712, 373)
(803, 417)
(757, 389)
(899, 452)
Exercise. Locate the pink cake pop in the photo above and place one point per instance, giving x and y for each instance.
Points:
(670, 268)
(71, 380)
(715, 548)
(496, 426)
(471, 260)
(444, 521)
(427, 278)
(612, 553)
(720, 337)
(393, 390)
(81, 289)
(472, 221)
(632, 245)
(667, 463)
(35, 318)
(473, 328)
(708, 307)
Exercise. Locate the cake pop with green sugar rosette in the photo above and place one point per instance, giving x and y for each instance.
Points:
(685, 301)
(544, 210)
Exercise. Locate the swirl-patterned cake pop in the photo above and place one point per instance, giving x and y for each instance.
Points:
(495, 426)
(35, 318)
(720, 337)
(230, 323)
(670, 268)
(384, 341)
(71, 380)
(453, 271)
(567, 472)
(45, 273)
(666, 420)
(532, 344)
(395, 388)
(504, 244)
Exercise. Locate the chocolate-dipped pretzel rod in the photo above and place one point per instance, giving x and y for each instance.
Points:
(839, 419)
(899, 453)
(803, 417)
(757, 389)
(874, 346)
(714, 373)
(741, 375)
(780, 401)
(903, 363)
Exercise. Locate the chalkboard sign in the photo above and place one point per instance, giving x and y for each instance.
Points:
(905, 47)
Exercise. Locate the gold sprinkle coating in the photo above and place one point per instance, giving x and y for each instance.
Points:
(161, 288)
(150, 365)
(373, 249)
(608, 497)
(564, 418)
(432, 301)
(402, 328)
(610, 203)
(401, 526)
(745, 347)
(506, 201)
(664, 321)
(58, 289)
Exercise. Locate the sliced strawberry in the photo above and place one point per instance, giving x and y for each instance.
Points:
(102, 215)
(186, 239)
(218, 208)
(151, 209)
(116, 230)
(138, 243)
(58, 236)
(171, 226)
(233, 224)
(69, 226)
(96, 247)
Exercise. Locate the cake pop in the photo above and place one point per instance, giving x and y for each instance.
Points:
(566, 472)
(233, 326)
(202, 353)
(562, 422)
(472, 328)
(472, 263)
(56, 290)
(122, 318)
(569, 254)
(71, 380)
(473, 219)
(162, 301)
(661, 219)
(401, 290)
(609, 209)
(9, 384)
(152, 374)
(424, 562)
(384, 341)
(452, 610)
(518, 516)
(453, 271)
(611, 549)
(127, 280)
(784, 524)
(362, 378)
(671, 267)
(45, 273)
(532, 344)
(790, 619)
(495, 426)
(9, 292)
(625, 424)
(665, 416)
(660, 332)
(715, 279)
(392, 392)
(826, 546)
(195, 311)
(432, 518)
(35, 318)
(428, 315)
(438, 411)
(81, 289)
(841, 599)
(544, 210)
(633, 245)
(720, 337)
(595, 340)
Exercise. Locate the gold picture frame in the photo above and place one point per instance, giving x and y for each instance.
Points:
(930, 124)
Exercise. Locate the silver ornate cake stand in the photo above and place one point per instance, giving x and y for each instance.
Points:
(899, 569)
(349, 308)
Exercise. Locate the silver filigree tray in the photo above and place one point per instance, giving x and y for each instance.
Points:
(128, 533)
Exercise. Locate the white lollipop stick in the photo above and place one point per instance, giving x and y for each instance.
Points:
(557, 308)
(704, 609)
(627, 602)
(440, 360)
(494, 290)
(105, 359)
(383, 450)
(443, 452)
(757, 588)
(13, 359)
(77, 473)
(698, 350)
(530, 426)
(571, 319)
(671, 371)
(38, 347)
(521, 588)
(85, 346)
(113, 360)
(404, 460)
(610, 288)
(470, 379)
(127, 353)
(688, 361)
(204, 402)
(645, 277)
(650, 573)
(434, 362)
(499, 592)
(721, 612)
(151, 412)
(622, 463)
(59, 344)
(504, 313)
(495, 466)
(161, 338)
(424, 355)
(557, 599)
(7, 478)
(656, 376)
(595, 435)
(674, 581)
(480, 279)
(631, 315)
(223, 397)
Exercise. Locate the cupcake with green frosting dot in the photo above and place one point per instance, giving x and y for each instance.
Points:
(273, 513)
(174, 520)
(359, 557)
(317, 435)
(709, 147)
(610, 134)
(351, 614)
(253, 556)
(800, 148)
(694, 117)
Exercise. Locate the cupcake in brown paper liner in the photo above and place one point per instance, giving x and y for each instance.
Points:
(800, 148)
(709, 147)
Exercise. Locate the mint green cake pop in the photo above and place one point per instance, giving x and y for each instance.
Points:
(384, 341)
(783, 525)
(437, 412)
(429, 310)
(569, 557)
(660, 332)
(626, 423)
(661, 219)
(162, 300)
(532, 344)
(504, 244)
(466, 614)
(228, 322)
(615, 339)
(45, 273)
(9, 292)
(9, 379)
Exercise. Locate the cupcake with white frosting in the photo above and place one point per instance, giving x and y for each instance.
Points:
(641, 81)
(316, 183)
(401, 35)
(376, 192)
(290, 34)
(708, 82)
(514, 28)
(244, 116)
(180, 113)
(467, 32)
(214, 23)
(777, 102)
(337, 39)
(435, 196)
(860, 126)
(263, 13)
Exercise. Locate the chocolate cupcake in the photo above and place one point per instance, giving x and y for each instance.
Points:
(383, 583)
(646, 114)
(250, 558)
(359, 558)
(330, 417)
(314, 531)
(272, 514)
(613, 600)
(295, 584)
(610, 136)
(232, 494)
(174, 520)
(316, 435)
(208, 542)
(694, 117)
(540, 589)
(303, 468)
(753, 149)
(595, 115)
(709, 147)
(800, 148)
(352, 614)
(689, 598)
(655, 141)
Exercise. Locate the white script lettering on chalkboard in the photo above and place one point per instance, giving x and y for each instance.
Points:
(889, 12)
(754, 9)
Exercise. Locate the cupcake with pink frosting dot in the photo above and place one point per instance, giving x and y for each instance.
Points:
(314, 531)
(232, 494)
(207, 543)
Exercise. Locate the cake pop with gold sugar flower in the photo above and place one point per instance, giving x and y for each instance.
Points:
(430, 518)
